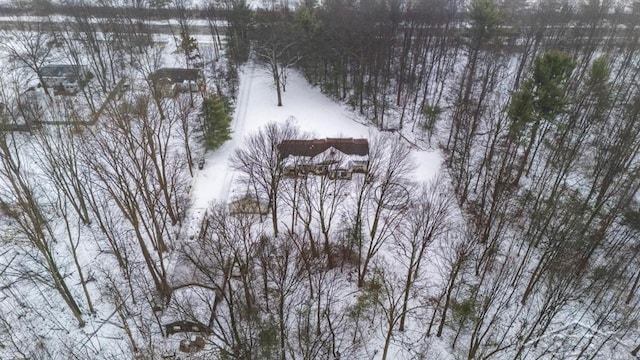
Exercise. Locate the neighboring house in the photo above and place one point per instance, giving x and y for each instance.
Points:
(64, 78)
(337, 158)
(173, 80)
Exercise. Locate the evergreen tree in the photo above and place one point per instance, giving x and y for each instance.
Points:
(542, 98)
(188, 46)
(216, 116)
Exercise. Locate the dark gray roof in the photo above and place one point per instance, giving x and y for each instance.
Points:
(176, 75)
(61, 70)
(314, 147)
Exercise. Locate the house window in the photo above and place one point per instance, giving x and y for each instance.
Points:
(342, 174)
(321, 169)
(289, 171)
(359, 166)
(304, 169)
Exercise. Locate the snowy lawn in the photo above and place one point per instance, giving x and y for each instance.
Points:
(312, 112)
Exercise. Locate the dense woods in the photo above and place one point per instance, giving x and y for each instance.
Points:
(525, 246)
(536, 111)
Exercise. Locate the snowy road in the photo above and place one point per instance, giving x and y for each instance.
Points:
(214, 182)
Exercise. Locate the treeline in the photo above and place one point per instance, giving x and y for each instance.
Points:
(383, 57)
(158, 10)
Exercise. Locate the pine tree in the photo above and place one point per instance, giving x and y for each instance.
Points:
(541, 99)
(216, 116)
(188, 46)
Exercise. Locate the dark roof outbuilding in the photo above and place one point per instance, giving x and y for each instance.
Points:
(176, 75)
(62, 71)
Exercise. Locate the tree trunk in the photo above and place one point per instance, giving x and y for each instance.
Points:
(387, 339)
(454, 274)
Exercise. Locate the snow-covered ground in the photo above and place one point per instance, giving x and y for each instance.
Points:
(255, 106)
(313, 113)
(309, 109)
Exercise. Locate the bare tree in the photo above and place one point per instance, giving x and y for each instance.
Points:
(382, 196)
(317, 201)
(30, 46)
(390, 300)
(456, 262)
(23, 203)
(58, 156)
(279, 54)
(226, 262)
(141, 170)
(260, 164)
(428, 219)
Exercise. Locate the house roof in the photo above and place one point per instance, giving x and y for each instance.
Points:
(175, 75)
(311, 148)
(62, 70)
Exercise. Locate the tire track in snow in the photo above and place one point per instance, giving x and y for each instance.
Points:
(238, 128)
(178, 268)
